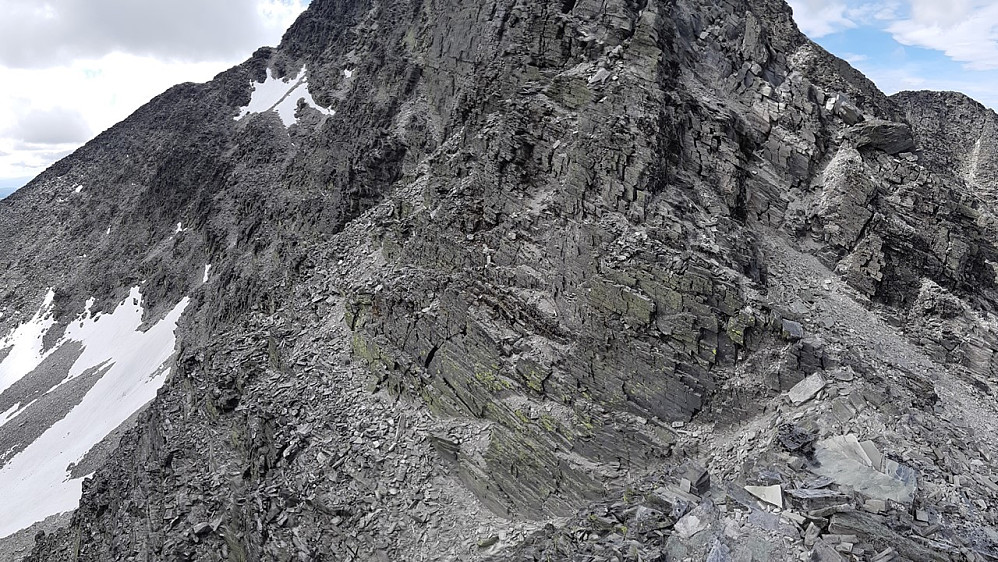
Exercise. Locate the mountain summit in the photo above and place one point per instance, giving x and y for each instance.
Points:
(580, 280)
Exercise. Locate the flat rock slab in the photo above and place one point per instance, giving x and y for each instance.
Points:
(770, 494)
(808, 494)
(824, 552)
(871, 529)
(701, 518)
(846, 461)
(793, 331)
(807, 389)
(719, 553)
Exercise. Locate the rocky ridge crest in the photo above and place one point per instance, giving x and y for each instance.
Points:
(573, 280)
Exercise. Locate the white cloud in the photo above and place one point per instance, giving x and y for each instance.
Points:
(46, 114)
(871, 12)
(72, 68)
(965, 30)
(57, 125)
(913, 77)
(945, 13)
(817, 18)
(34, 34)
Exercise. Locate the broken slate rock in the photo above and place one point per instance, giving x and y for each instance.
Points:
(769, 494)
(698, 477)
(696, 521)
(876, 459)
(824, 552)
(871, 529)
(792, 331)
(795, 438)
(875, 506)
(719, 553)
(892, 138)
(806, 389)
(845, 461)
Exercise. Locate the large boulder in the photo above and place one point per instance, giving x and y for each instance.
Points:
(886, 136)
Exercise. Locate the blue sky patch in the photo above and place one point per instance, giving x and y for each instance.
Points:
(911, 44)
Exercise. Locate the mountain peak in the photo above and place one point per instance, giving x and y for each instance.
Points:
(527, 281)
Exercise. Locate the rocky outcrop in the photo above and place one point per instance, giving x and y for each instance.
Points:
(885, 136)
(536, 291)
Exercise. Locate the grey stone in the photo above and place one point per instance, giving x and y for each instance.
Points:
(871, 529)
(824, 552)
(792, 331)
(889, 137)
(772, 495)
(696, 521)
(807, 389)
(845, 461)
(719, 552)
(795, 438)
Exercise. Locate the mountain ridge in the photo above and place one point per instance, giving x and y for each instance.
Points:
(541, 256)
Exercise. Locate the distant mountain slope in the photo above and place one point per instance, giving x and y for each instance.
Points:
(511, 280)
(5, 191)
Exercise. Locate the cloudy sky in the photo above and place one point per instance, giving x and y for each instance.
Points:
(70, 69)
(911, 44)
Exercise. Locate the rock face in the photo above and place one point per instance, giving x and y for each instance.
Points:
(884, 136)
(535, 291)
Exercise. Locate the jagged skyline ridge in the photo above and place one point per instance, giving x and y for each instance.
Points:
(582, 246)
(899, 44)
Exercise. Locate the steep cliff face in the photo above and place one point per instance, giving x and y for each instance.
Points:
(533, 280)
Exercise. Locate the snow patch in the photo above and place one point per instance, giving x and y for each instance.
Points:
(113, 337)
(207, 268)
(78, 189)
(180, 228)
(12, 413)
(281, 96)
(26, 341)
(348, 73)
(9, 414)
(36, 483)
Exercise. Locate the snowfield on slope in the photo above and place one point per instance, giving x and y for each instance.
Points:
(37, 482)
(25, 344)
(281, 96)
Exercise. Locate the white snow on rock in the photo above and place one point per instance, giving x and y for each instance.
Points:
(281, 96)
(26, 344)
(9, 414)
(207, 269)
(36, 483)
